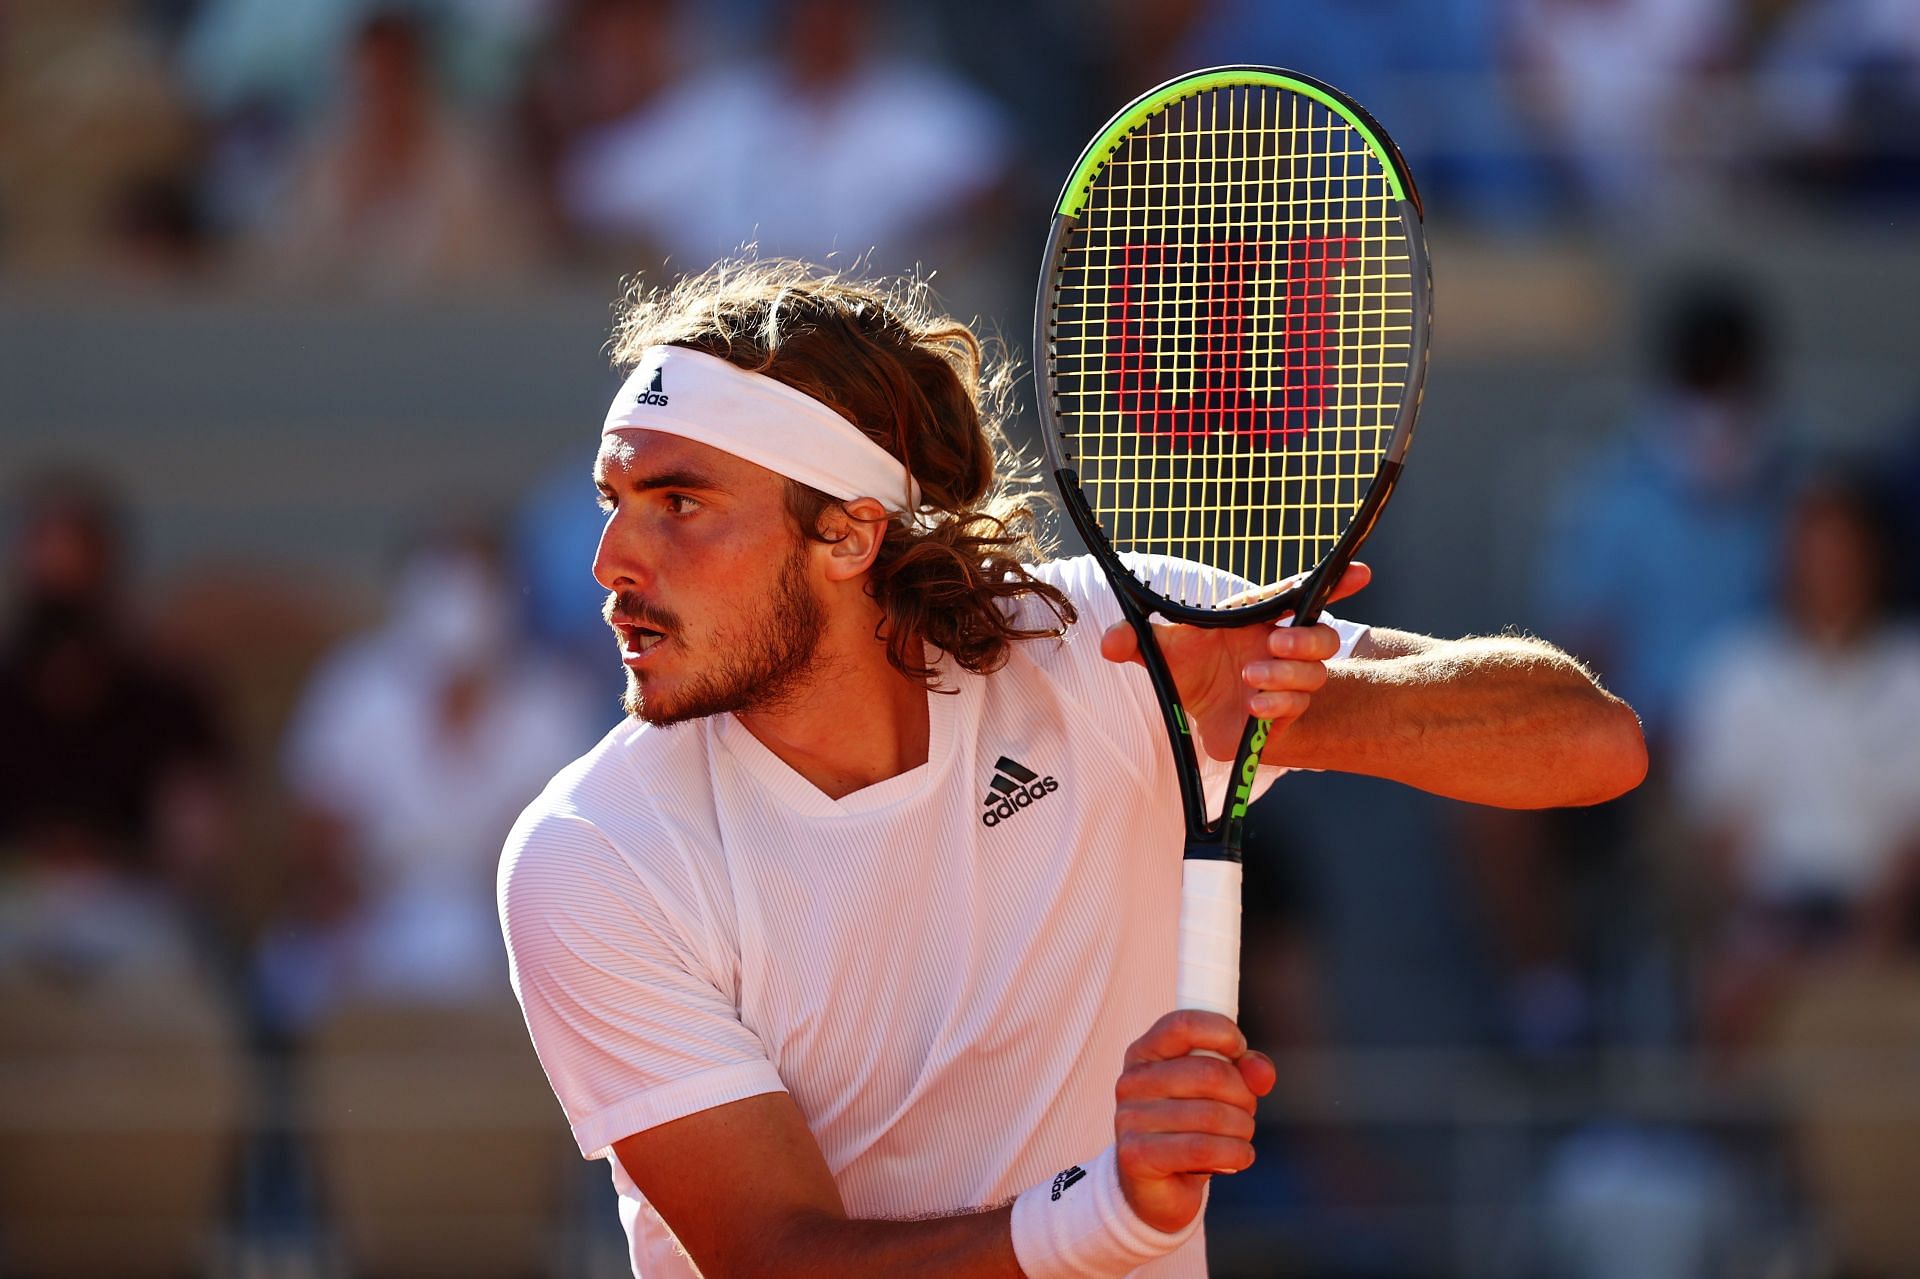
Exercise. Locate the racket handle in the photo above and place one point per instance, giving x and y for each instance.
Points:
(1210, 936)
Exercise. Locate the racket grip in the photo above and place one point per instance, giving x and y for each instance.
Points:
(1210, 936)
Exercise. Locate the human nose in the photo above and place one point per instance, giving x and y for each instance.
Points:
(619, 561)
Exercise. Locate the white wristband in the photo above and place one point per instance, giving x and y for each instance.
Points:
(1079, 1225)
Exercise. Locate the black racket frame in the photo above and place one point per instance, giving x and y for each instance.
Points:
(1221, 837)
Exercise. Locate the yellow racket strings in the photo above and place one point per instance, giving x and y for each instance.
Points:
(1232, 332)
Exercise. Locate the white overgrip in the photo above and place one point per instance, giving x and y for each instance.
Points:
(1210, 936)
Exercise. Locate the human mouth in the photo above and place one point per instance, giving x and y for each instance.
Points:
(637, 640)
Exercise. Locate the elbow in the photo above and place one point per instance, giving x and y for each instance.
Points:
(1616, 754)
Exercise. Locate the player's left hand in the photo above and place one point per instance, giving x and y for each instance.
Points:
(1226, 674)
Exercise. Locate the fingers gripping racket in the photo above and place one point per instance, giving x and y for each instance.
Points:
(1232, 320)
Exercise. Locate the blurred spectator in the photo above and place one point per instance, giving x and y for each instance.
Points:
(1048, 65)
(1616, 83)
(1669, 532)
(833, 146)
(97, 145)
(1842, 89)
(259, 71)
(490, 41)
(1655, 544)
(284, 55)
(412, 751)
(276, 55)
(1799, 767)
(606, 61)
(113, 761)
(395, 192)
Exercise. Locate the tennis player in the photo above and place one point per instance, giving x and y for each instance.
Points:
(853, 947)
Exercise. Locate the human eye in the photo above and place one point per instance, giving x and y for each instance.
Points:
(682, 504)
(603, 498)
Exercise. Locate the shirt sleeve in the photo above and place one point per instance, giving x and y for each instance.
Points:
(630, 1022)
(1093, 597)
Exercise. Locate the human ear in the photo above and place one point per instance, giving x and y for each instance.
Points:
(855, 530)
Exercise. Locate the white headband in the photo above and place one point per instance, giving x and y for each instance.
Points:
(701, 397)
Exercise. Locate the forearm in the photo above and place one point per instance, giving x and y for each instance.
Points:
(747, 1193)
(1506, 721)
(974, 1245)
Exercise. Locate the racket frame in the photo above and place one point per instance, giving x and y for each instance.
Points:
(1209, 839)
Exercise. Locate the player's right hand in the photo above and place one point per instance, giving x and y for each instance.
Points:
(1181, 1117)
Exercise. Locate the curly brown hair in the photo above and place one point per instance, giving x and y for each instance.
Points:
(919, 384)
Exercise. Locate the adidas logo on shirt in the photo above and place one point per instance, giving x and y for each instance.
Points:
(654, 394)
(1015, 786)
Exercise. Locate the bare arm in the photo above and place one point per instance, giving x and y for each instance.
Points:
(746, 1191)
(1501, 720)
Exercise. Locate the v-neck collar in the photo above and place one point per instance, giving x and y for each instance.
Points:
(780, 780)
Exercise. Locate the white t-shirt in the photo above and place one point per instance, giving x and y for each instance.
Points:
(945, 982)
(882, 156)
(1810, 757)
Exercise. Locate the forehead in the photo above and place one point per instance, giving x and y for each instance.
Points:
(634, 456)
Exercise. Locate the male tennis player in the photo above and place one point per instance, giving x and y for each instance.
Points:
(854, 945)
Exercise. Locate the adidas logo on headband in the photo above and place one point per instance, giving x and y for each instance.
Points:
(762, 421)
(656, 393)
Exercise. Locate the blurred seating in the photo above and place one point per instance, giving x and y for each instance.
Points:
(437, 1145)
(1839, 88)
(122, 1093)
(1845, 1048)
(258, 633)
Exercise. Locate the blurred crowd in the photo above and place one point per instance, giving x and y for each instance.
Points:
(388, 145)
(247, 849)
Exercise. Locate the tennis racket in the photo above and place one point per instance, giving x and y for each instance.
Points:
(1232, 319)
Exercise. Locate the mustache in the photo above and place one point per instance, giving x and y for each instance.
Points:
(625, 608)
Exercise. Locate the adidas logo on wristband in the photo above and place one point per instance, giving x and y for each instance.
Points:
(1092, 1233)
(1065, 1180)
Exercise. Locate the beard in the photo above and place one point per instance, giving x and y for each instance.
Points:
(759, 662)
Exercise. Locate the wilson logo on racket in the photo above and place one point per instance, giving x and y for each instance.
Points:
(1250, 768)
(1014, 787)
(1247, 294)
(656, 392)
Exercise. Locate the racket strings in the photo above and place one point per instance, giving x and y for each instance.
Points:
(1231, 332)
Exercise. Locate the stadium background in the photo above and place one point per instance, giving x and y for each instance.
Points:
(307, 300)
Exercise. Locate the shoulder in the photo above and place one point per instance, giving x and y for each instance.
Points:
(1086, 590)
(1081, 579)
(1078, 578)
(625, 772)
(609, 830)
